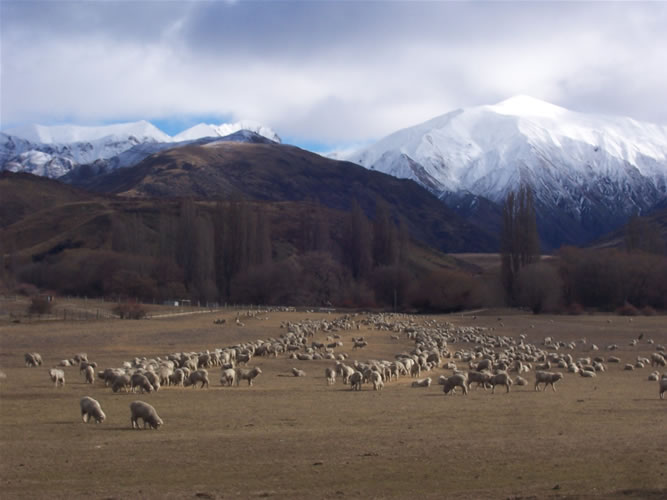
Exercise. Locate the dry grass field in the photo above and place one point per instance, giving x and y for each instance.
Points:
(298, 438)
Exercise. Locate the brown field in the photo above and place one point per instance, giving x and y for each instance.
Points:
(297, 438)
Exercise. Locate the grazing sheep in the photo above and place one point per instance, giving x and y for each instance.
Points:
(658, 359)
(121, 382)
(546, 378)
(228, 377)
(613, 359)
(501, 378)
(145, 412)
(90, 374)
(520, 381)
(585, 374)
(629, 367)
(456, 380)
(196, 377)
(177, 378)
(654, 376)
(347, 372)
(298, 373)
(480, 378)
(91, 408)
(65, 363)
(356, 380)
(330, 374)
(663, 385)
(153, 379)
(139, 380)
(245, 374)
(415, 370)
(57, 377)
(32, 359)
(425, 382)
(376, 380)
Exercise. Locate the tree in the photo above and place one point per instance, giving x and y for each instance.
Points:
(357, 244)
(520, 244)
(385, 237)
(643, 235)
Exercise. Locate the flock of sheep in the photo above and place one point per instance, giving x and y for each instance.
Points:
(481, 359)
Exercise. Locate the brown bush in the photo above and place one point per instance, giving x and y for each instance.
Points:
(648, 311)
(40, 305)
(627, 309)
(130, 310)
(575, 309)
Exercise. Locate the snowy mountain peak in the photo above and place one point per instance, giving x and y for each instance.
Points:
(207, 130)
(593, 170)
(523, 105)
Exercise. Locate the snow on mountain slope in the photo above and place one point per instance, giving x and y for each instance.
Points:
(589, 169)
(142, 130)
(486, 149)
(205, 130)
(54, 151)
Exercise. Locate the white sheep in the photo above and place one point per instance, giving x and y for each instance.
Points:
(425, 382)
(139, 380)
(546, 378)
(121, 381)
(520, 381)
(197, 376)
(245, 374)
(376, 380)
(298, 373)
(90, 408)
(90, 374)
(330, 374)
(145, 412)
(228, 377)
(57, 377)
(456, 380)
(501, 378)
(32, 359)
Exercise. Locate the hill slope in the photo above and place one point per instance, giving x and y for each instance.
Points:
(274, 172)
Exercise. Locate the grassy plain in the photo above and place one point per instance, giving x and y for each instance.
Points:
(298, 438)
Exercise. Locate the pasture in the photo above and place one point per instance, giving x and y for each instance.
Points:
(297, 438)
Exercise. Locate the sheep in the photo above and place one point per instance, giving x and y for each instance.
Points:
(356, 380)
(613, 359)
(330, 374)
(480, 378)
(425, 382)
(298, 373)
(196, 377)
(654, 376)
(145, 412)
(347, 372)
(57, 377)
(245, 374)
(85, 364)
(546, 378)
(65, 363)
(91, 408)
(153, 379)
(228, 377)
(456, 380)
(585, 374)
(501, 378)
(32, 359)
(629, 367)
(139, 380)
(658, 359)
(376, 379)
(121, 382)
(415, 370)
(177, 378)
(520, 381)
(663, 385)
(90, 374)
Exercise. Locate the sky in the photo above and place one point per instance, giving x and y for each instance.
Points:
(323, 74)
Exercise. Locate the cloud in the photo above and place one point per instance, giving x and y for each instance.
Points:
(332, 72)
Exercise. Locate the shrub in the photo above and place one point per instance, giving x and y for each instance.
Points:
(40, 305)
(648, 311)
(575, 309)
(130, 310)
(627, 309)
(27, 289)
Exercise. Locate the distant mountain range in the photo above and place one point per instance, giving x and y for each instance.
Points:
(588, 172)
(57, 150)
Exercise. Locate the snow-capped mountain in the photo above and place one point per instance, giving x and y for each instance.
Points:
(205, 130)
(587, 169)
(56, 150)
